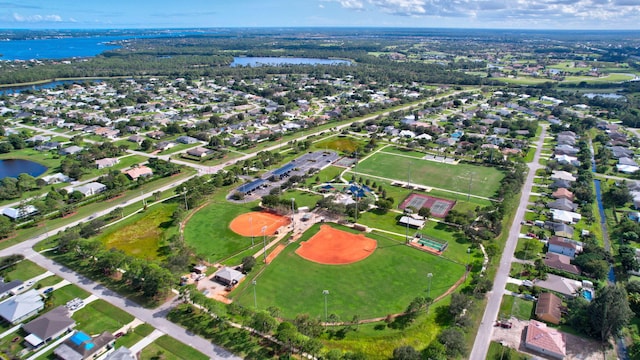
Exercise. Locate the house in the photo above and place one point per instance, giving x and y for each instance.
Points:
(165, 145)
(560, 284)
(81, 346)
(407, 134)
(122, 353)
(544, 340)
(73, 149)
(559, 229)
(136, 139)
(562, 175)
(561, 262)
(619, 152)
(20, 213)
(560, 184)
(187, 140)
(47, 146)
(566, 150)
(228, 276)
(21, 306)
(199, 152)
(562, 204)
(564, 246)
(106, 162)
(9, 288)
(548, 308)
(48, 326)
(567, 159)
(563, 193)
(38, 138)
(567, 217)
(445, 141)
(56, 178)
(157, 135)
(91, 188)
(136, 172)
(412, 222)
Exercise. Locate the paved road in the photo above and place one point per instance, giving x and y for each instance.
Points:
(483, 337)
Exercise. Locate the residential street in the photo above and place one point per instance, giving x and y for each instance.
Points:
(483, 337)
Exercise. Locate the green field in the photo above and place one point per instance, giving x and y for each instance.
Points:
(339, 143)
(485, 182)
(24, 270)
(393, 275)
(515, 306)
(142, 234)
(98, 316)
(209, 234)
(167, 348)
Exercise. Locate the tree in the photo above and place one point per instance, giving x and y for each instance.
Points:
(628, 258)
(146, 145)
(435, 351)
(609, 312)
(6, 227)
(617, 195)
(248, 262)
(458, 303)
(425, 212)
(405, 353)
(26, 182)
(453, 341)
(263, 322)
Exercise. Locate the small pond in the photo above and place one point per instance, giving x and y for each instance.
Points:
(15, 167)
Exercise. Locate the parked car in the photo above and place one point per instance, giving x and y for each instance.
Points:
(118, 334)
(48, 290)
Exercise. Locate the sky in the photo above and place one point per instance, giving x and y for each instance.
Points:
(513, 14)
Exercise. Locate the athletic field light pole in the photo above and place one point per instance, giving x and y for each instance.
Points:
(255, 299)
(468, 263)
(325, 293)
(264, 242)
(429, 276)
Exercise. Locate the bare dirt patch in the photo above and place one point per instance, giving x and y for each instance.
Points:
(336, 247)
(251, 224)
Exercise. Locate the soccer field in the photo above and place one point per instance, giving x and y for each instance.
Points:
(383, 283)
(484, 181)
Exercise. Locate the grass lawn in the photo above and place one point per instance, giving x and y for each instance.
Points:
(399, 272)
(66, 293)
(486, 180)
(99, 316)
(497, 351)
(528, 249)
(303, 198)
(519, 308)
(48, 281)
(170, 349)
(326, 175)
(132, 337)
(24, 270)
(208, 230)
(142, 234)
(339, 143)
(8, 346)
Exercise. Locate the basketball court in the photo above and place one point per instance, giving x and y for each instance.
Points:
(439, 207)
(336, 247)
(251, 224)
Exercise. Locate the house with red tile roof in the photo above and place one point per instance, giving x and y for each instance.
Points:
(544, 340)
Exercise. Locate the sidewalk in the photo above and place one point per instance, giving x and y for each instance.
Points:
(137, 347)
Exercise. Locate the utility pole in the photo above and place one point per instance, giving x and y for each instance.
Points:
(264, 243)
(186, 205)
(255, 299)
(325, 293)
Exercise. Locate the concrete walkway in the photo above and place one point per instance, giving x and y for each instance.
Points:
(130, 326)
(137, 347)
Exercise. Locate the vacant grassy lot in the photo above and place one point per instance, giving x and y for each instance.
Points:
(392, 276)
(485, 182)
(141, 235)
(24, 270)
(339, 143)
(98, 316)
(519, 308)
(167, 348)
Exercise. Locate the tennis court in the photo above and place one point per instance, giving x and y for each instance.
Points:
(439, 207)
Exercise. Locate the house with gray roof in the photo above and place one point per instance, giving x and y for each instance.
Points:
(91, 188)
(122, 353)
(228, 276)
(81, 346)
(48, 326)
(563, 204)
(21, 306)
(7, 288)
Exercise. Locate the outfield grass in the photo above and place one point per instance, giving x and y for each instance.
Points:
(393, 275)
(24, 270)
(141, 235)
(208, 230)
(303, 198)
(326, 175)
(98, 316)
(170, 349)
(486, 180)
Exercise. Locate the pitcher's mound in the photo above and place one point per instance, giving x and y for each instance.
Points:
(251, 224)
(336, 247)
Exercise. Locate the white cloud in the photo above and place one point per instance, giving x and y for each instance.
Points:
(37, 18)
(500, 10)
